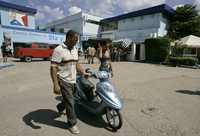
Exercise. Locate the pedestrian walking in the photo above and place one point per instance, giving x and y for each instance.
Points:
(64, 65)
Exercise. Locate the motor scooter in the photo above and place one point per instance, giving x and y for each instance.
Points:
(103, 100)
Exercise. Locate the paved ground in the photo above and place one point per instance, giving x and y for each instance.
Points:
(158, 101)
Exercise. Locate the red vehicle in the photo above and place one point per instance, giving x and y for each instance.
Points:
(33, 51)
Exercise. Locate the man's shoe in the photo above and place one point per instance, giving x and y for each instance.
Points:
(74, 130)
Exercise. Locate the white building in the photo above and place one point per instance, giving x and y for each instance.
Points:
(138, 26)
(86, 25)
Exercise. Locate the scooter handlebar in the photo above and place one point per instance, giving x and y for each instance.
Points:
(87, 70)
(99, 74)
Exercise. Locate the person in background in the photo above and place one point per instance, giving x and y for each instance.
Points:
(86, 54)
(64, 66)
(105, 59)
(118, 55)
(4, 52)
(91, 54)
(99, 48)
(114, 54)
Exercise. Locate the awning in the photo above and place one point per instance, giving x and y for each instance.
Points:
(189, 41)
(125, 43)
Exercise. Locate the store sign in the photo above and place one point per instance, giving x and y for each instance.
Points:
(45, 36)
(31, 36)
(18, 19)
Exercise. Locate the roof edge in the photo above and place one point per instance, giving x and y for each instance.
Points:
(17, 7)
(163, 8)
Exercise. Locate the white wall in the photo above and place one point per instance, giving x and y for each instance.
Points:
(139, 23)
(163, 26)
(75, 25)
(108, 34)
(78, 23)
(142, 52)
(70, 22)
(90, 28)
(139, 28)
(136, 35)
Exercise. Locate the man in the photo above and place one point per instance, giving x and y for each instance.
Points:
(64, 65)
(91, 53)
(4, 52)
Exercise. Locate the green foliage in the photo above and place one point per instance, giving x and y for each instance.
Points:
(198, 57)
(186, 21)
(157, 49)
(190, 61)
(177, 50)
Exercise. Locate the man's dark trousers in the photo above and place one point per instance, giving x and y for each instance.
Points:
(67, 91)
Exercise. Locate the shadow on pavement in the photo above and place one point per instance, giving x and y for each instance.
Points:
(34, 60)
(188, 92)
(5, 65)
(88, 118)
(48, 117)
(43, 116)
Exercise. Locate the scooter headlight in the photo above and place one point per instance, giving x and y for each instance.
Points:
(108, 88)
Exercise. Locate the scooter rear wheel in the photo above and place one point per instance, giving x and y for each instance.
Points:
(114, 118)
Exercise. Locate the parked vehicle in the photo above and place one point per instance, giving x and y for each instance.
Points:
(33, 51)
(105, 99)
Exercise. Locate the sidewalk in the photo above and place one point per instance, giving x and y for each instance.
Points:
(5, 65)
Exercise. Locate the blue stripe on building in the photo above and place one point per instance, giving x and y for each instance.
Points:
(17, 7)
(165, 9)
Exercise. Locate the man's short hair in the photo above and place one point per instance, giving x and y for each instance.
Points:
(71, 33)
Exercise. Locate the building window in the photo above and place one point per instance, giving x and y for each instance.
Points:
(109, 26)
(52, 29)
(61, 30)
(93, 22)
(44, 29)
(0, 17)
(37, 28)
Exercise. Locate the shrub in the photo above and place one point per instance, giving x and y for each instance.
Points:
(190, 61)
(198, 59)
(177, 50)
(156, 49)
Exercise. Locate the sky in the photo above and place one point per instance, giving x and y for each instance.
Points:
(49, 10)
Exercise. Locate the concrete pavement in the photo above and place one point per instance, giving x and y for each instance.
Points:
(158, 101)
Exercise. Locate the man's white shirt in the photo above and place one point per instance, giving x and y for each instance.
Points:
(66, 60)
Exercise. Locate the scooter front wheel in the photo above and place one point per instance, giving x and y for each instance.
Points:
(114, 118)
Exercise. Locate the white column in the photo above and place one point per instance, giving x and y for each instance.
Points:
(133, 52)
(142, 52)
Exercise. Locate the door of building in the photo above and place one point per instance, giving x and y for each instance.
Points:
(137, 55)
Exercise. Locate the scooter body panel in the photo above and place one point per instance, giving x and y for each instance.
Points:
(108, 94)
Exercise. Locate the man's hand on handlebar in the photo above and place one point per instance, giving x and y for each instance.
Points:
(86, 75)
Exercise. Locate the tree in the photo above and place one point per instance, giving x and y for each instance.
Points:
(185, 21)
